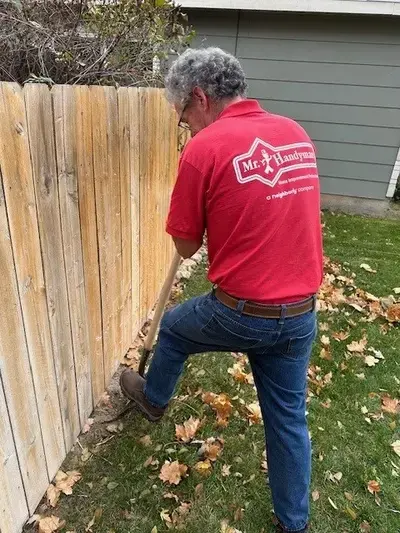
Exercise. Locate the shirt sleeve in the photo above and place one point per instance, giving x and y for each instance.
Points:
(186, 219)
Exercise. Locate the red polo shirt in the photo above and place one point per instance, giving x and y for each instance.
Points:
(251, 180)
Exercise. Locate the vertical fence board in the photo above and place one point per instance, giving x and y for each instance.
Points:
(65, 127)
(126, 129)
(134, 151)
(16, 377)
(13, 506)
(87, 178)
(41, 141)
(21, 208)
(87, 210)
(108, 207)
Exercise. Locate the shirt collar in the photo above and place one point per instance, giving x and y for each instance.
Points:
(244, 107)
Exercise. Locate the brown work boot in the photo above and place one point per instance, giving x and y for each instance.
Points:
(132, 386)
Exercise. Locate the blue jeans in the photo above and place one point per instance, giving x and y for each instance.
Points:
(279, 352)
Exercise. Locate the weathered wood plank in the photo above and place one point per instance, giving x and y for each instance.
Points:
(65, 128)
(126, 129)
(13, 506)
(87, 210)
(134, 150)
(41, 140)
(108, 208)
(21, 209)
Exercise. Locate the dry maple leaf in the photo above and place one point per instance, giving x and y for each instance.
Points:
(187, 431)
(325, 340)
(50, 524)
(172, 473)
(221, 405)
(64, 481)
(53, 495)
(393, 313)
(357, 346)
(373, 487)
(145, 440)
(341, 335)
(370, 360)
(238, 373)
(203, 467)
(390, 405)
(326, 354)
(211, 448)
(396, 447)
(254, 413)
(324, 326)
(226, 470)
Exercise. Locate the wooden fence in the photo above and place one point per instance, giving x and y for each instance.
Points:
(85, 181)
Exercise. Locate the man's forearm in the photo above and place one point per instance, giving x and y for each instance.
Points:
(186, 248)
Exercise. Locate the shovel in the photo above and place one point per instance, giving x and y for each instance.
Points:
(162, 301)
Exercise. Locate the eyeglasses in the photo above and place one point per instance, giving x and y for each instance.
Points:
(182, 124)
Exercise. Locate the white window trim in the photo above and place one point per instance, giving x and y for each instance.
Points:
(371, 7)
(394, 177)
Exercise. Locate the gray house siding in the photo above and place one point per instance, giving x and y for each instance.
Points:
(339, 76)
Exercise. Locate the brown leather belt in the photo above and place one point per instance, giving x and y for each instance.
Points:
(266, 311)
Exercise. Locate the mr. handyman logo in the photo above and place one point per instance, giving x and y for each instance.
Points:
(267, 163)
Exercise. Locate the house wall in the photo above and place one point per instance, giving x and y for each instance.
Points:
(339, 76)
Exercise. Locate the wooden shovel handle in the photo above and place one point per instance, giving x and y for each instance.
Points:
(162, 301)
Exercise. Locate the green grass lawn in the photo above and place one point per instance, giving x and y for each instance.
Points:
(349, 437)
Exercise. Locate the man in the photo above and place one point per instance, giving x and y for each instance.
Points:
(250, 178)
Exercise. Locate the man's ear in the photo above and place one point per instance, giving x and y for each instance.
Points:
(201, 97)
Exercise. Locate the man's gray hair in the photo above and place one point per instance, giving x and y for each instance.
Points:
(218, 73)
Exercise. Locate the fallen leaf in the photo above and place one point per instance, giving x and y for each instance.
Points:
(254, 413)
(367, 268)
(341, 335)
(53, 495)
(392, 425)
(86, 455)
(171, 496)
(364, 410)
(325, 340)
(154, 530)
(315, 495)
(324, 326)
(351, 512)
(326, 404)
(187, 431)
(238, 373)
(221, 405)
(360, 376)
(396, 447)
(370, 360)
(211, 449)
(365, 527)
(88, 425)
(325, 354)
(390, 405)
(145, 440)
(226, 470)
(393, 313)
(64, 481)
(378, 354)
(112, 485)
(172, 473)
(396, 290)
(349, 496)
(165, 516)
(238, 514)
(199, 489)
(203, 467)
(50, 524)
(373, 487)
(357, 346)
(332, 503)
